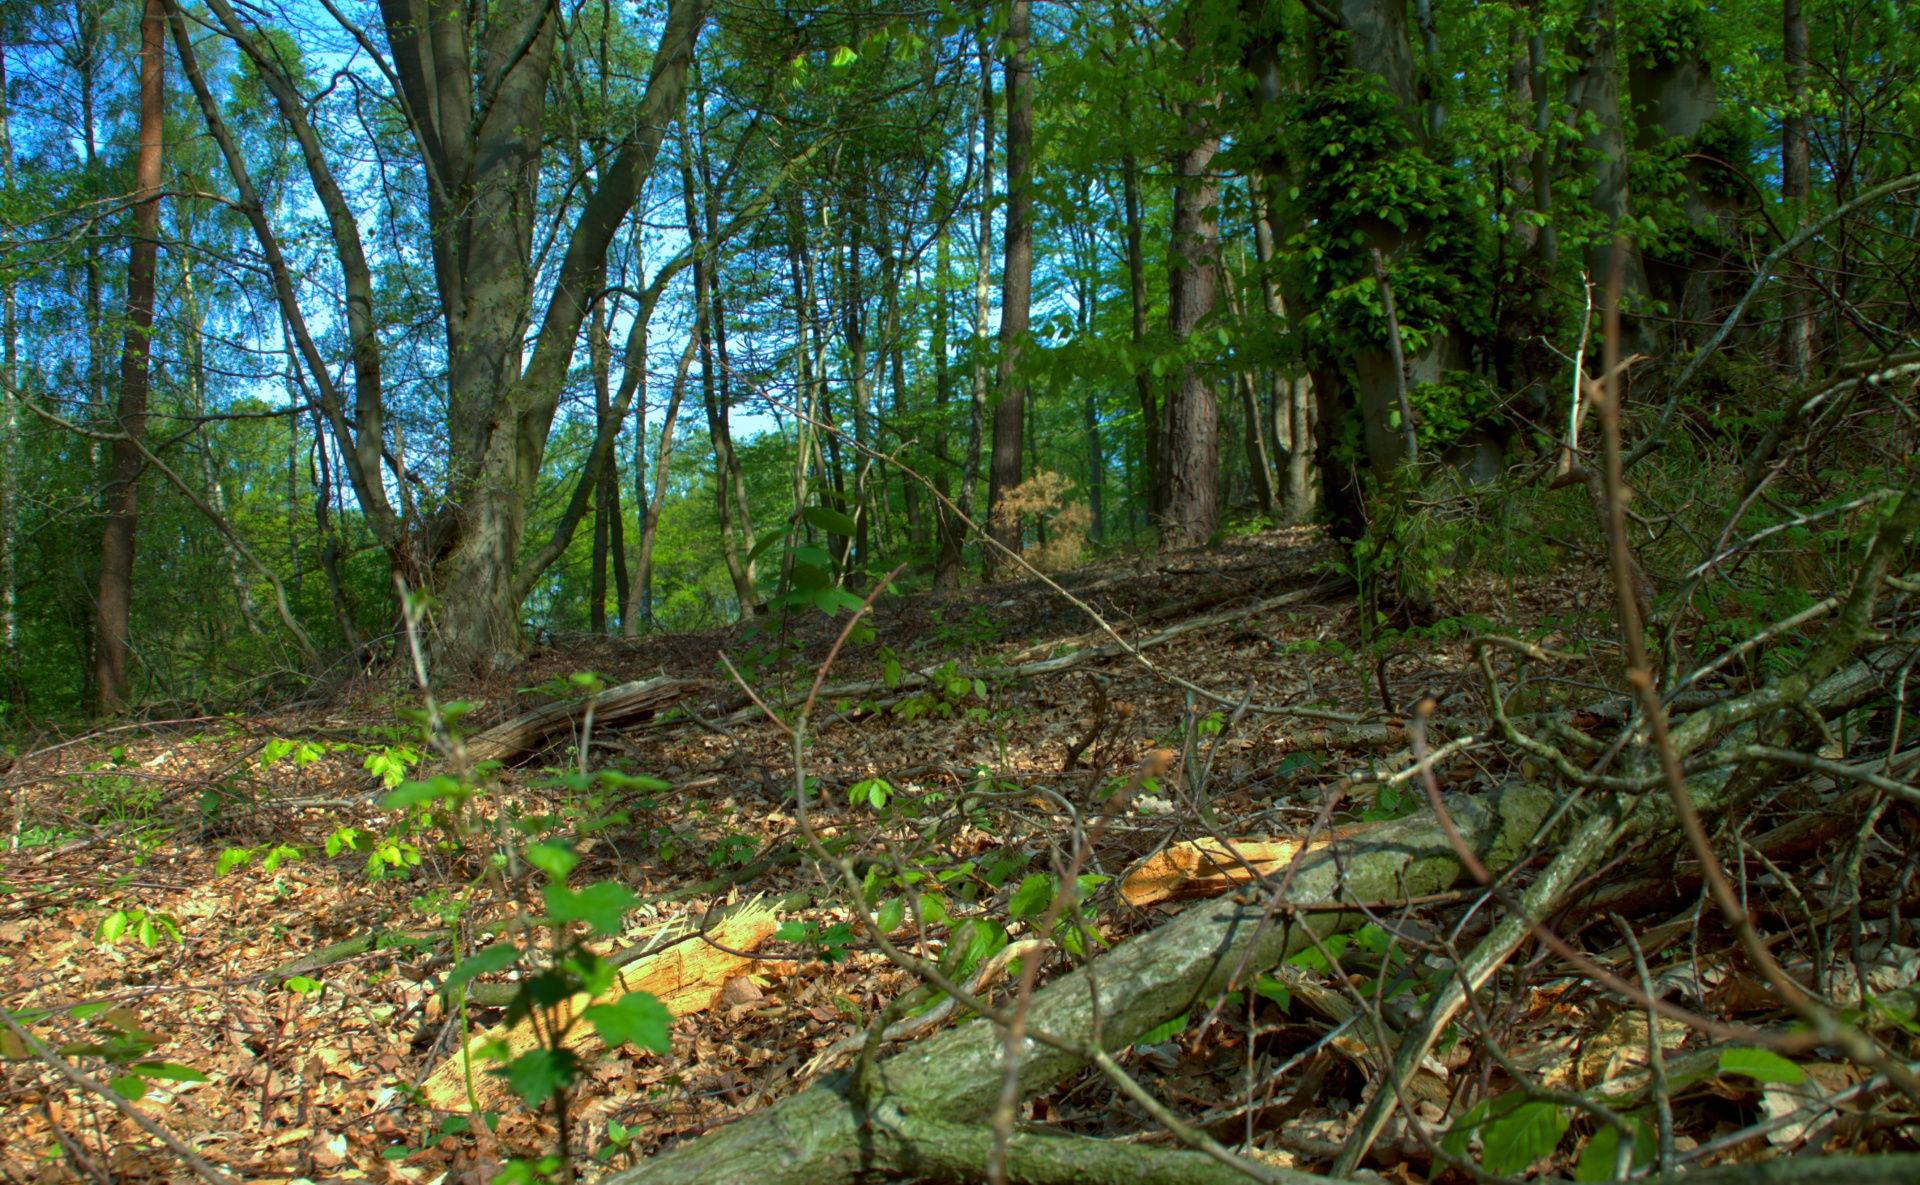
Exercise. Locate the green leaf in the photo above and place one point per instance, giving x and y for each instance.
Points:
(601, 905)
(635, 1019)
(1761, 1065)
(168, 1071)
(1272, 989)
(1528, 1132)
(538, 1074)
(113, 928)
(231, 859)
(1596, 1159)
(1031, 897)
(1163, 1032)
(826, 518)
(397, 1152)
(432, 789)
(492, 959)
(129, 1087)
(301, 984)
(554, 858)
(842, 58)
(891, 915)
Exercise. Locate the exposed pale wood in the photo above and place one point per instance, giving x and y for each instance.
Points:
(524, 734)
(686, 977)
(1204, 868)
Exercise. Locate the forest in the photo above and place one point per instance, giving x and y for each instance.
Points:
(1164, 591)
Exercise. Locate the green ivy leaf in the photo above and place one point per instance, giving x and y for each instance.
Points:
(637, 1018)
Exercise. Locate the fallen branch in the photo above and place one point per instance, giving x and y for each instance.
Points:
(525, 734)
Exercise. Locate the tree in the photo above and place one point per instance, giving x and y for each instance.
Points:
(122, 494)
(1016, 291)
(474, 99)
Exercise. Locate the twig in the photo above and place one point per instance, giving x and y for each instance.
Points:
(188, 1156)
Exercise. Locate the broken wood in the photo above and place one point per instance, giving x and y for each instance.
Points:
(1205, 868)
(685, 978)
(526, 733)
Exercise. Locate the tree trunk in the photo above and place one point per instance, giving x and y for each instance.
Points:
(1593, 95)
(1796, 174)
(706, 297)
(1673, 97)
(114, 607)
(1096, 469)
(12, 689)
(1016, 294)
(1253, 436)
(946, 565)
(650, 521)
(600, 363)
(1191, 457)
(982, 268)
(1137, 300)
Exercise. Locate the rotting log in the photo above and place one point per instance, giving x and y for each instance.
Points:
(948, 1084)
(526, 733)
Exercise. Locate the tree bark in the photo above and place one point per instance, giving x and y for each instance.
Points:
(600, 363)
(706, 297)
(982, 269)
(1191, 459)
(114, 607)
(1016, 293)
(1593, 96)
(1796, 173)
(1137, 301)
(12, 689)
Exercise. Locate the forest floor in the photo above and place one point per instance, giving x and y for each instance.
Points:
(320, 1080)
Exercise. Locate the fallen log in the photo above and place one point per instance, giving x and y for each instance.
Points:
(526, 733)
(922, 1106)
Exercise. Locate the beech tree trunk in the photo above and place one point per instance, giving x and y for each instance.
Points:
(1016, 293)
(113, 609)
(1191, 451)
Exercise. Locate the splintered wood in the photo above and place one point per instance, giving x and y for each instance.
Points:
(1204, 868)
(526, 733)
(686, 977)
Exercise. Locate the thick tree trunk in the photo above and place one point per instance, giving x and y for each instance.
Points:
(1673, 97)
(1016, 293)
(114, 608)
(1593, 97)
(1191, 450)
